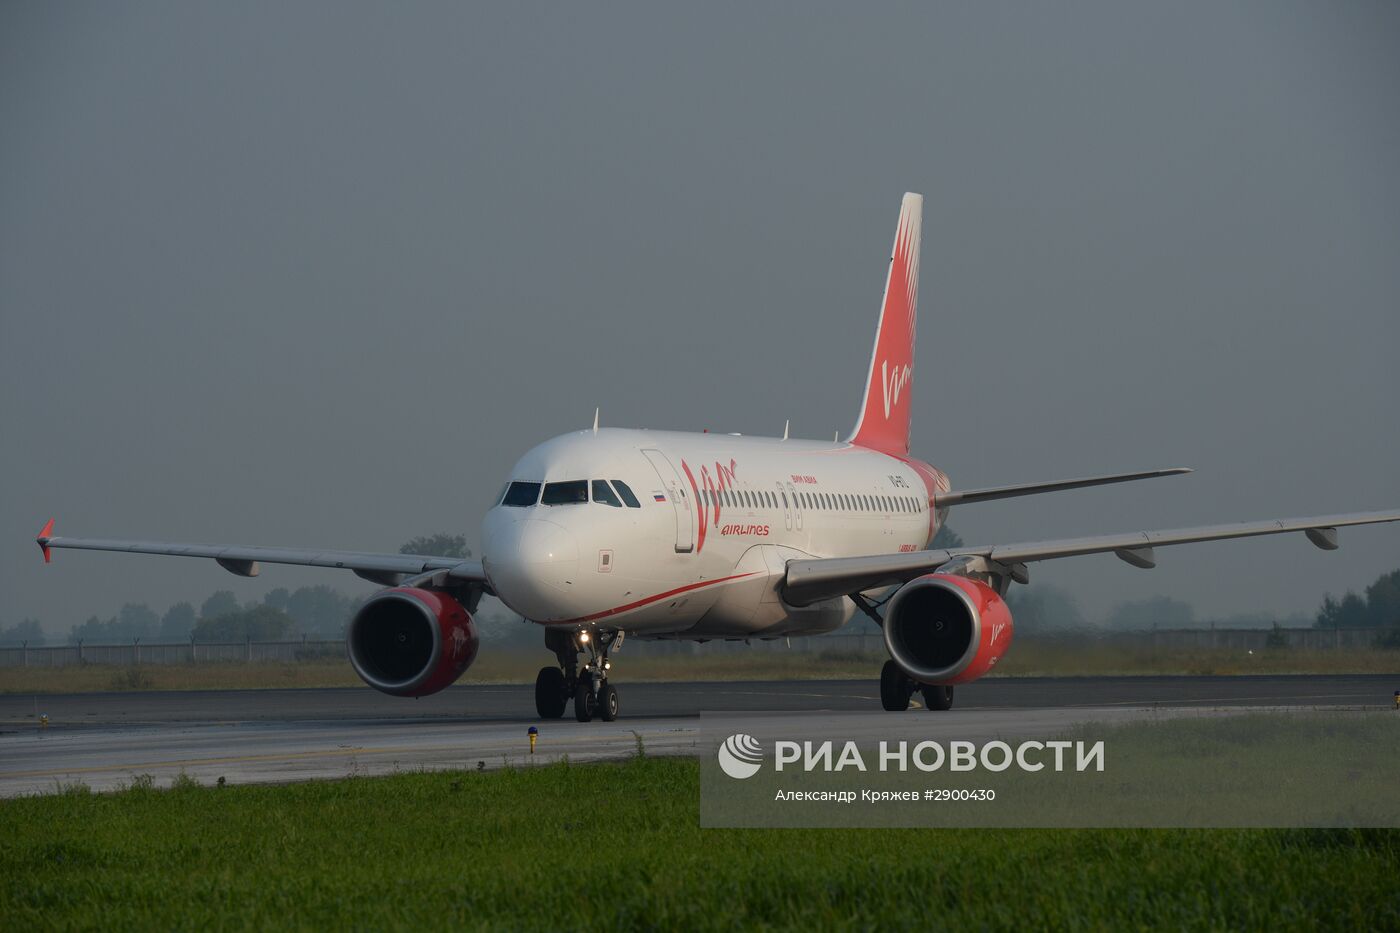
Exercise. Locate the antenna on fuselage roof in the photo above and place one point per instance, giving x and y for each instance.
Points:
(595, 419)
(786, 424)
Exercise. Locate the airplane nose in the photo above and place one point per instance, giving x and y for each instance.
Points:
(532, 565)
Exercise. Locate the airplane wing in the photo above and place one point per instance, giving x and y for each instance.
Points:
(961, 497)
(809, 581)
(387, 569)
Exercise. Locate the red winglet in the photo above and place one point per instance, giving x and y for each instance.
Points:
(43, 540)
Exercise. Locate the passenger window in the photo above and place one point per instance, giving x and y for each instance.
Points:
(603, 493)
(785, 501)
(625, 492)
(520, 495)
(572, 492)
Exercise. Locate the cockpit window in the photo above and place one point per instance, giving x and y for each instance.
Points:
(625, 492)
(603, 493)
(571, 492)
(520, 494)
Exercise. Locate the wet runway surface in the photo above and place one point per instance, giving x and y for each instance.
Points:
(245, 736)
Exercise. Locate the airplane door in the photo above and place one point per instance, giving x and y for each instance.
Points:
(680, 500)
(787, 506)
(796, 505)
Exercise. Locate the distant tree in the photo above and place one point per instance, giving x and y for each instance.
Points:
(178, 622)
(221, 603)
(319, 609)
(946, 540)
(1044, 608)
(27, 631)
(1261, 619)
(278, 598)
(1329, 614)
(1159, 611)
(256, 623)
(1348, 612)
(90, 630)
(1380, 608)
(438, 545)
(139, 620)
(135, 620)
(1383, 600)
(1352, 612)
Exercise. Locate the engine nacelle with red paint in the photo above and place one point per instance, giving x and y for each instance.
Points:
(946, 630)
(411, 642)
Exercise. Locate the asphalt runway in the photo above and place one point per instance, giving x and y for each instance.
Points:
(105, 740)
(470, 702)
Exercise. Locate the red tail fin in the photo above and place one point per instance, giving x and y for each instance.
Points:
(884, 414)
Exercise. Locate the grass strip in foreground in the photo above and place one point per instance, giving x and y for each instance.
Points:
(618, 846)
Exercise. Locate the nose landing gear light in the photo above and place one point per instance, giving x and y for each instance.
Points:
(588, 685)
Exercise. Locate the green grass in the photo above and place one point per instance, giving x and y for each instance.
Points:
(618, 846)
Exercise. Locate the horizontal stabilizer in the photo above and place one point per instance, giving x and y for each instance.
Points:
(965, 496)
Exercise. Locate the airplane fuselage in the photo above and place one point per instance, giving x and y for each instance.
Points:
(688, 535)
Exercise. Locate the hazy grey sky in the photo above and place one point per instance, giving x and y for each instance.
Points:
(316, 274)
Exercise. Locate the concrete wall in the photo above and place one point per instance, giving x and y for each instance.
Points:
(167, 653)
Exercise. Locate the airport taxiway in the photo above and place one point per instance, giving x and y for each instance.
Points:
(105, 740)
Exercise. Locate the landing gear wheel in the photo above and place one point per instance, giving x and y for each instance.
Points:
(551, 693)
(895, 688)
(607, 703)
(938, 698)
(585, 703)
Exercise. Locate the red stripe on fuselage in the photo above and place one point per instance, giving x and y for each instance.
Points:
(651, 599)
(699, 507)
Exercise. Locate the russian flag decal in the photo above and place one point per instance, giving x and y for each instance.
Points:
(658, 497)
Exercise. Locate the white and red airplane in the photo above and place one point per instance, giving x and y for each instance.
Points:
(700, 536)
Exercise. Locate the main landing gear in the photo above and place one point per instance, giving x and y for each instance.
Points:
(588, 685)
(896, 688)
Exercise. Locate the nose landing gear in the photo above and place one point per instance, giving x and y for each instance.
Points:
(587, 685)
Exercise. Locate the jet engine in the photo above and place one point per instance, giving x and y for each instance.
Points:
(946, 630)
(411, 642)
